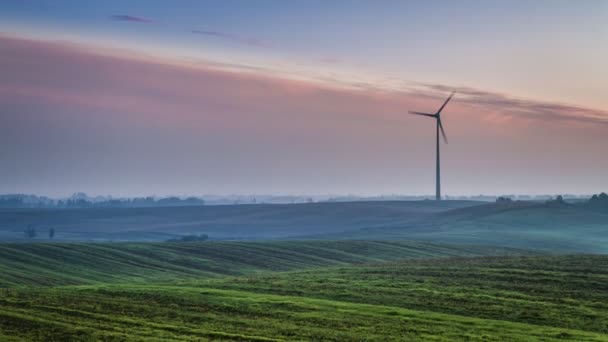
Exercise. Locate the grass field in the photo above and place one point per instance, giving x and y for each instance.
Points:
(528, 225)
(457, 287)
(561, 291)
(46, 264)
(532, 298)
(251, 222)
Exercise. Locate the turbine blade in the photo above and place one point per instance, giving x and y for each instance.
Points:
(445, 138)
(420, 113)
(446, 102)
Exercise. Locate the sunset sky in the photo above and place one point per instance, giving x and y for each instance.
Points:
(131, 98)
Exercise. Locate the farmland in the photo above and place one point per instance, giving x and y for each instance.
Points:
(469, 272)
(530, 225)
(243, 222)
(509, 298)
(524, 225)
(51, 264)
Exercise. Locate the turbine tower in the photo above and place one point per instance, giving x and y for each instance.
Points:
(437, 116)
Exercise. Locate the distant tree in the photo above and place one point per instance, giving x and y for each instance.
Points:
(11, 201)
(559, 200)
(51, 233)
(598, 202)
(503, 199)
(30, 232)
(601, 198)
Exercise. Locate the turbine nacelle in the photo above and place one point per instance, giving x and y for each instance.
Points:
(437, 116)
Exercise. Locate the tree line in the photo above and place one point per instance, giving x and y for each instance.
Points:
(82, 201)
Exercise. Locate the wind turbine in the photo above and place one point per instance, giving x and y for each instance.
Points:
(437, 116)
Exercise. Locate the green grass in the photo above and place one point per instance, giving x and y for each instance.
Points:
(561, 291)
(46, 264)
(189, 313)
(540, 298)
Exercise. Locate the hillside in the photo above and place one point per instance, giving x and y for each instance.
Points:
(40, 264)
(259, 221)
(555, 298)
(562, 291)
(528, 225)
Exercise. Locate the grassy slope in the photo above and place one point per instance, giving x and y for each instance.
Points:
(225, 221)
(41, 264)
(561, 291)
(527, 225)
(521, 225)
(483, 299)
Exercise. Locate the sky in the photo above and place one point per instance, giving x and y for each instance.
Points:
(133, 98)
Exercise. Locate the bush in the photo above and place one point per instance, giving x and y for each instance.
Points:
(598, 202)
(559, 200)
(599, 199)
(30, 232)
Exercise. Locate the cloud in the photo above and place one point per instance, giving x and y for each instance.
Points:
(232, 37)
(115, 122)
(131, 18)
(412, 95)
(509, 105)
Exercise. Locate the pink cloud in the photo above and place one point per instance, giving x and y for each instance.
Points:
(131, 18)
(72, 74)
(232, 37)
(205, 120)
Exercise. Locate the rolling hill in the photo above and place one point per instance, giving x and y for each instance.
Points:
(51, 264)
(555, 227)
(259, 221)
(528, 225)
(543, 298)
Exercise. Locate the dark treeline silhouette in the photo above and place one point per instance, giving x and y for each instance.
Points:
(599, 202)
(601, 198)
(82, 201)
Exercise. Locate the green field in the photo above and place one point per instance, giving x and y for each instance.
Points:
(298, 290)
(47, 264)
(470, 299)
